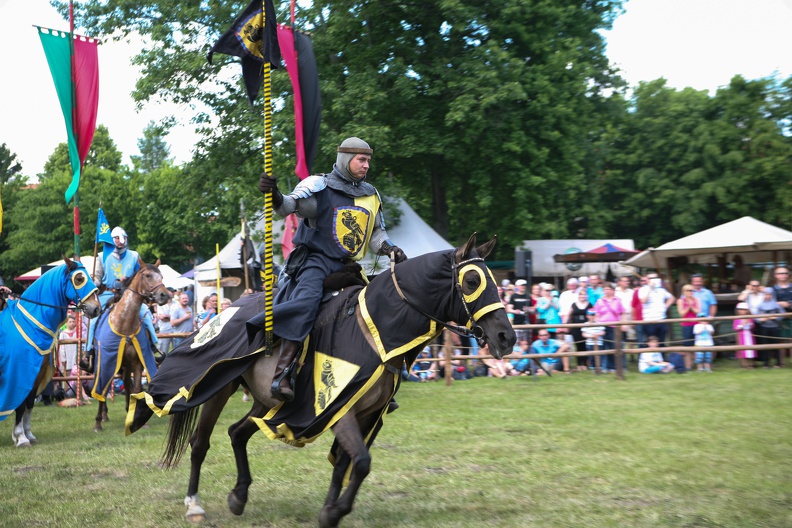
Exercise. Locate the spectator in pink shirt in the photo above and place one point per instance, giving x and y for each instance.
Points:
(609, 309)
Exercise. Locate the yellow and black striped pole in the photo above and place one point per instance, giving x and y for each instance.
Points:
(269, 279)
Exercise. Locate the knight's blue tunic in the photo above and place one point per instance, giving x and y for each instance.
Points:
(115, 268)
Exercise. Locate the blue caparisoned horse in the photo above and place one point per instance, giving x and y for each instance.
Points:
(121, 341)
(350, 369)
(28, 336)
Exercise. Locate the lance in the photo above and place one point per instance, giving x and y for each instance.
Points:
(268, 276)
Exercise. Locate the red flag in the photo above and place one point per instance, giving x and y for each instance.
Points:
(289, 228)
(74, 65)
(301, 65)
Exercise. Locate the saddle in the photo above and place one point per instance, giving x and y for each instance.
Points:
(351, 275)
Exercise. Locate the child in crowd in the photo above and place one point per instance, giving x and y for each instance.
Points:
(652, 362)
(744, 328)
(593, 336)
(703, 333)
(424, 369)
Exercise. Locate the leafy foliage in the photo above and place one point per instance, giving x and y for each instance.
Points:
(498, 117)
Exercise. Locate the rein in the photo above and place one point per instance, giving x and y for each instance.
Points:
(477, 333)
(80, 305)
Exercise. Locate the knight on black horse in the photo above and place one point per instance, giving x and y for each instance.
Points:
(341, 216)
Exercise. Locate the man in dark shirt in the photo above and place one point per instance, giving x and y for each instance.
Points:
(519, 306)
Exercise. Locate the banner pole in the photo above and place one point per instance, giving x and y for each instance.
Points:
(268, 278)
(217, 258)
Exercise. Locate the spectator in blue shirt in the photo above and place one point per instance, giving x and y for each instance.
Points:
(709, 305)
(545, 345)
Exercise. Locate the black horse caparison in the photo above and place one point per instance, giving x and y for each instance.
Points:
(391, 319)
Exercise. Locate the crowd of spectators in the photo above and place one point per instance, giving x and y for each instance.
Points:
(589, 299)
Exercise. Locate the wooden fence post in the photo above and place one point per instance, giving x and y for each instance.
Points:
(619, 353)
(448, 355)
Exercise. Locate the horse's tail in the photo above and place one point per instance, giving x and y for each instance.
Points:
(180, 430)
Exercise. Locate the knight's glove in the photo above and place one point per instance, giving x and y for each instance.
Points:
(267, 184)
(397, 254)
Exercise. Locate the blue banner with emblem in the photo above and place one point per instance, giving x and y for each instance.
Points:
(103, 234)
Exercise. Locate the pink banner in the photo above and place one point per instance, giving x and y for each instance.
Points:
(85, 75)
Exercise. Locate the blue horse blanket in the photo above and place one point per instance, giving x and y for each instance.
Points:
(24, 342)
(110, 346)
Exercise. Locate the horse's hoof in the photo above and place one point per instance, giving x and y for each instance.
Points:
(195, 517)
(236, 505)
(105, 419)
(325, 521)
(195, 513)
(98, 429)
(25, 444)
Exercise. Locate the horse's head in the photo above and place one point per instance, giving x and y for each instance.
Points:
(480, 303)
(81, 289)
(148, 281)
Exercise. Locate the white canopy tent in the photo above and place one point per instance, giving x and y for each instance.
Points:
(544, 251)
(413, 235)
(754, 240)
(172, 278)
(229, 259)
(35, 273)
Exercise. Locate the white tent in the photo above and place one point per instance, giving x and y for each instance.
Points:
(754, 240)
(172, 278)
(35, 273)
(544, 265)
(229, 259)
(413, 235)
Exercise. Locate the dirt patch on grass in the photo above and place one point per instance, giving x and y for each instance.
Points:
(24, 470)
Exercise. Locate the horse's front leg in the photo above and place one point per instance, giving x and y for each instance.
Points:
(101, 416)
(199, 446)
(21, 434)
(350, 439)
(133, 382)
(240, 434)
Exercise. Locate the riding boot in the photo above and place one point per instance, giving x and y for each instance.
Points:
(87, 361)
(286, 371)
(159, 357)
(392, 405)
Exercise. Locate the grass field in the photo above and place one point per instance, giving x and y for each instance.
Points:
(698, 450)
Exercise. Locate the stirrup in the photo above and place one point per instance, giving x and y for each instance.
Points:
(275, 388)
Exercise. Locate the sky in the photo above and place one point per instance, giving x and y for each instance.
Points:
(696, 43)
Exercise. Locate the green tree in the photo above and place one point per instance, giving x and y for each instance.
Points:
(481, 112)
(682, 161)
(11, 181)
(154, 151)
(40, 224)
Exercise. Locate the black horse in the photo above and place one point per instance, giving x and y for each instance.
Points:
(350, 370)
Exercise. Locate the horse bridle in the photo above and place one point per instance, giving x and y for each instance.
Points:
(148, 296)
(477, 332)
(79, 305)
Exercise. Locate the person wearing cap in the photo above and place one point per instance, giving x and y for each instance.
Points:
(518, 306)
(111, 271)
(341, 215)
